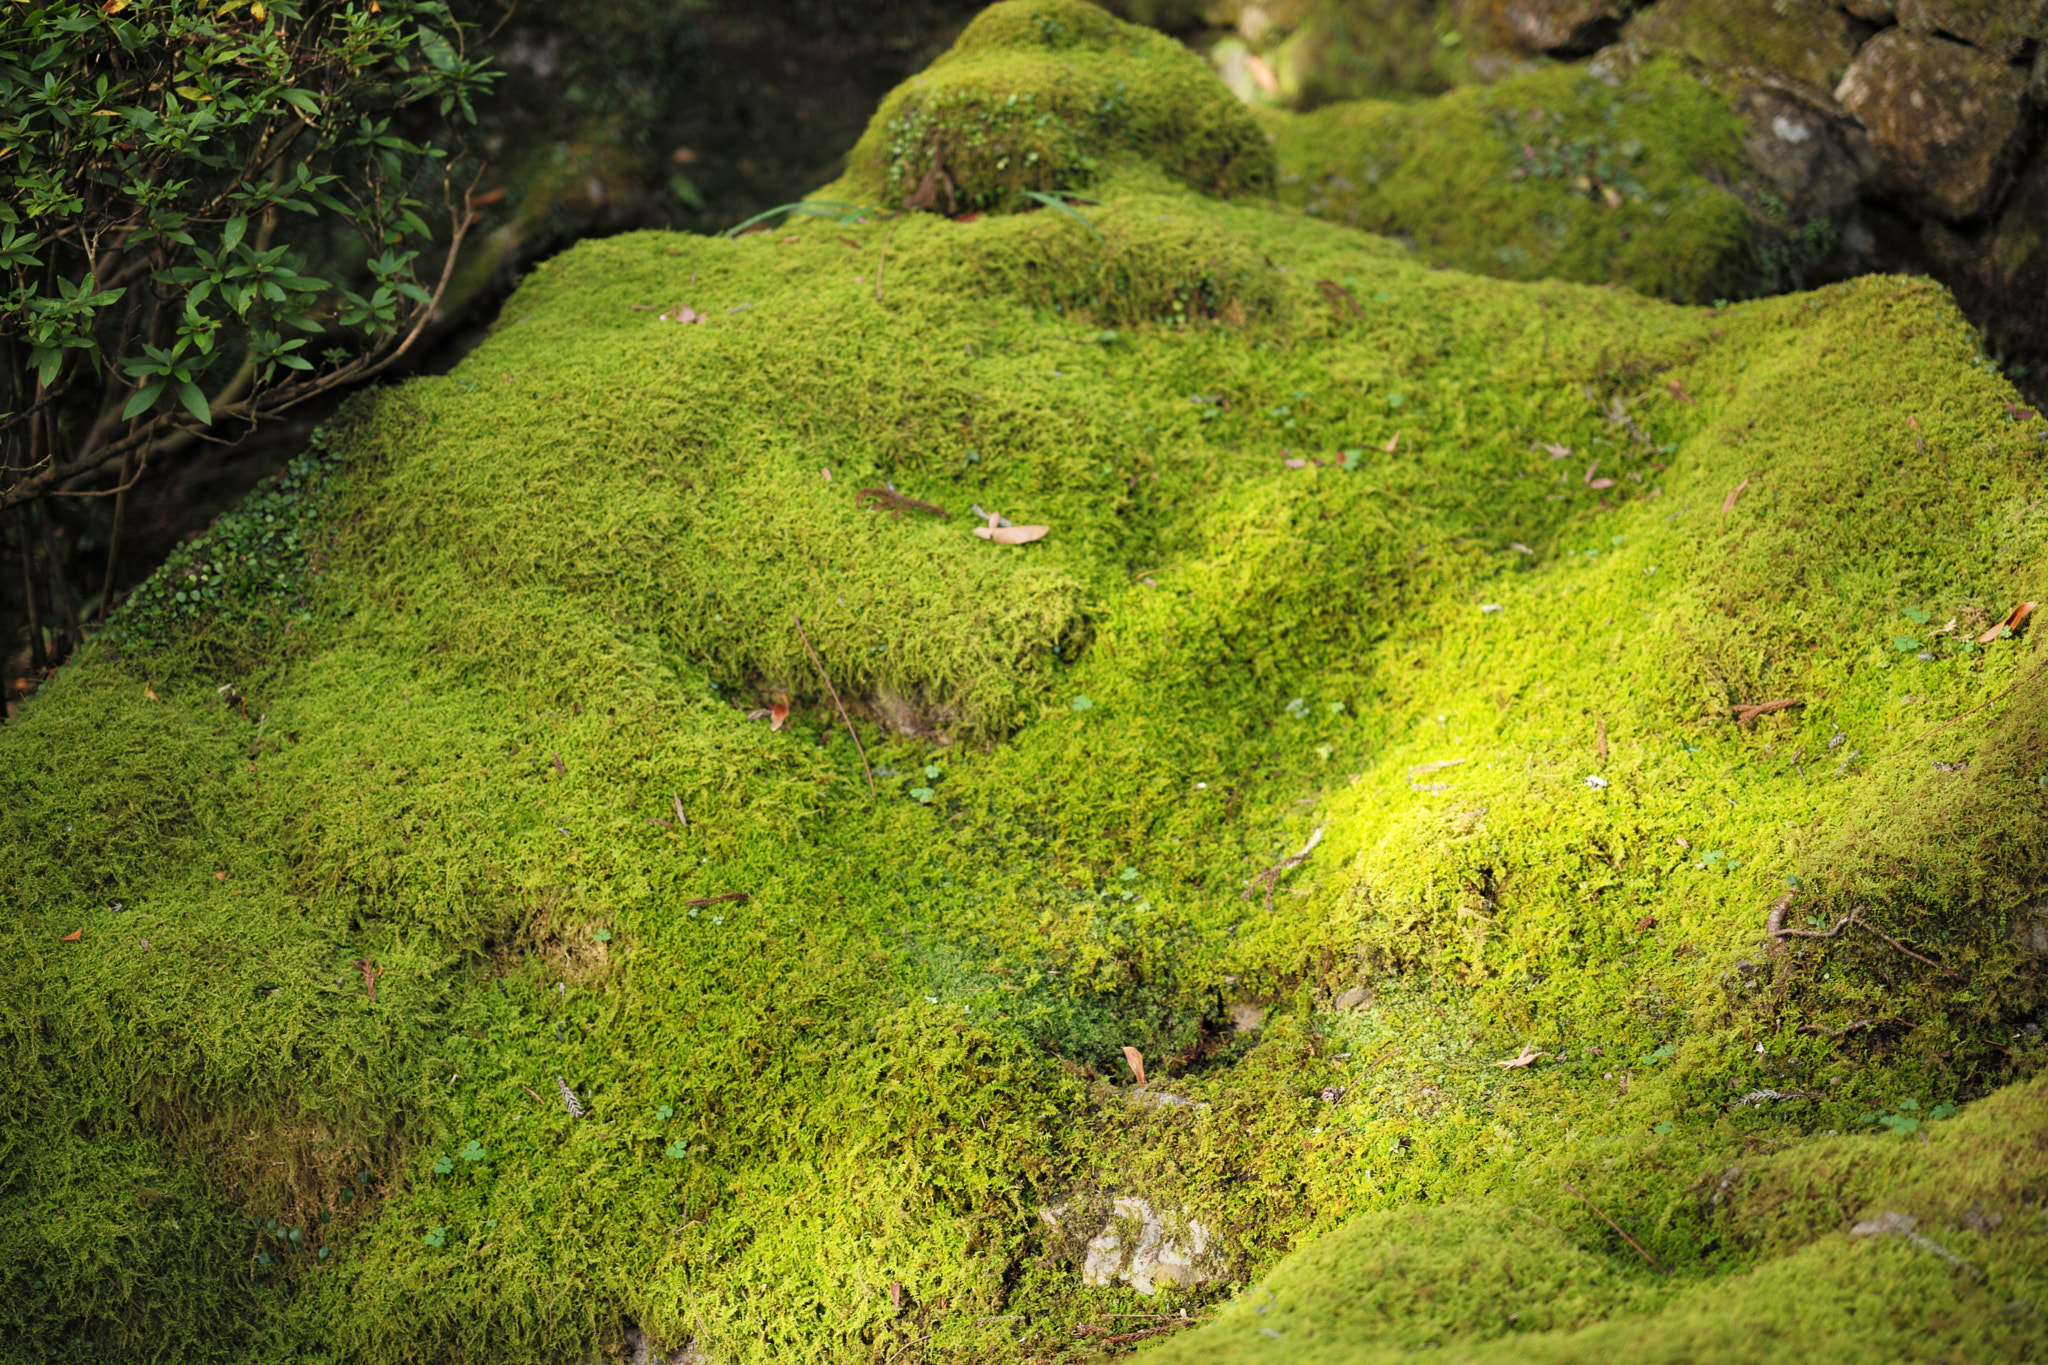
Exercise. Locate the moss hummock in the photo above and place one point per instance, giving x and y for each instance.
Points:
(1555, 173)
(437, 944)
(1043, 97)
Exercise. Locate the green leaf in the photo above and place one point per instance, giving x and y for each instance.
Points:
(143, 401)
(231, 233)
(195, 401)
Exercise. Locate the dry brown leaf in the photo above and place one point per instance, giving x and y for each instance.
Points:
(1601, 483)
(560, 769)
(1557, 452)
(1137, 1063)
(2018, 413)
(777, 714)
(1393, 443)
(1262, 74)
(1728, 504)
(220, 876)
(2011, 622)
(1529, 1057)
(149, 692)
(1012, 535)
(73, 936)
(1678, 392)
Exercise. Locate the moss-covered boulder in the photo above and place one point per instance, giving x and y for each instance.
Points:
(1547, 783)
(1043, 98)
(1552, 174)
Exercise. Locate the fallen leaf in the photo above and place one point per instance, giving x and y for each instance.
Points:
(1518, 546)
(2011, 622)
(1728, 504)
(777, 714)
(681, 818)
(1137, 1063)
(149, 692)
(560, 770)
(1393, 442)
(1679, 393)
(2018, 413)
(73, 936)
(1590, 470)
(1557, 452)
(1646, 922)
(966, 217)
(1012, 535)
(1601, 483)
(1528, 1057)
(220, 876)
(1262, 74)
(825, 474)
(1296, 464)
(369, 978)
(896, 1294)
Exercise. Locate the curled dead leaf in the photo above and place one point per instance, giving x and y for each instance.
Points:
(149, 692)
(1012, 535)
(777, 714)
(73, 936)
(1728, 504)
(1136, 1059)
(1529, 1057)
(1678, 392)
(1557, 452)
(1601, 483)
(1393, 443)
(2011, 622)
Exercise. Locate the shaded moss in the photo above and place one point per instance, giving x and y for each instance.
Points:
(1550, 174)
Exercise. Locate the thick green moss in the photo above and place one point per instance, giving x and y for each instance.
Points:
(1312, 565)
(1550, 174)
(1041, 95)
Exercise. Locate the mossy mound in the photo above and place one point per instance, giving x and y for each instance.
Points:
(1043, 95)
(1552, 174)
(438, 942)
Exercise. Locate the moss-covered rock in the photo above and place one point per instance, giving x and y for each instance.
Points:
(1040, 95)
(1550, 174)
(1465, 736)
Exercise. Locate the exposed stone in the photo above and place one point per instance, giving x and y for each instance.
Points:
(1363, 49)
(2003, 28)
(1801, 154)
(1134, 1247)
(1807, 41)
(1873, 11)
(1357, 998)
(1245, 1016)
(1943, 120)
(2030, 931)
(1561, 28)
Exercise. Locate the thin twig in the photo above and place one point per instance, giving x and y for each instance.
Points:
(1148, 1332)
(1747, 714)
(912, 1342)
(1837, 1032)
(1272, 875)
(1774, 925)
(714, 900)
(883, 259)
(896, 502)
(820, 665)
(1981, 705)
(1617, 1227)
(1909, 952)
(531, 1091)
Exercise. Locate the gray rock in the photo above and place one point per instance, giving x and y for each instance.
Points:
(1134, 1247)
(1872, 11)
(2003, 28)
(1560, 28)
(1801, 154)
(1944, 121)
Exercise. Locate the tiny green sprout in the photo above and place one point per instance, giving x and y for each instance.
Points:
(1298, 708)
(1905, 644)
(1335, 708)
(438, 1237)
(1129, 874)
(473, 1151)
(1083, 704)
(666, 1112)
(1917, 616)
(601, 935)
(1395, 400)
(1663, 1127)
(321, 1254)
(922, 795)
(676, 1151)
(931, 770)
(1106, 338)
(443, 1165)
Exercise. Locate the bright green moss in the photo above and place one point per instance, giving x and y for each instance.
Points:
(503, 763)
(1550, 174)
(1040, 95)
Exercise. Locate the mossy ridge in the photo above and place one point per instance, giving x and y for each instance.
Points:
(1037, 96)
(1550, 174)
(847, 1107)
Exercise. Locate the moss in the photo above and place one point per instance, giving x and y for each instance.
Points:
(1312, 566)
(1040, 95)
(1808, 40)
(1549, 174)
